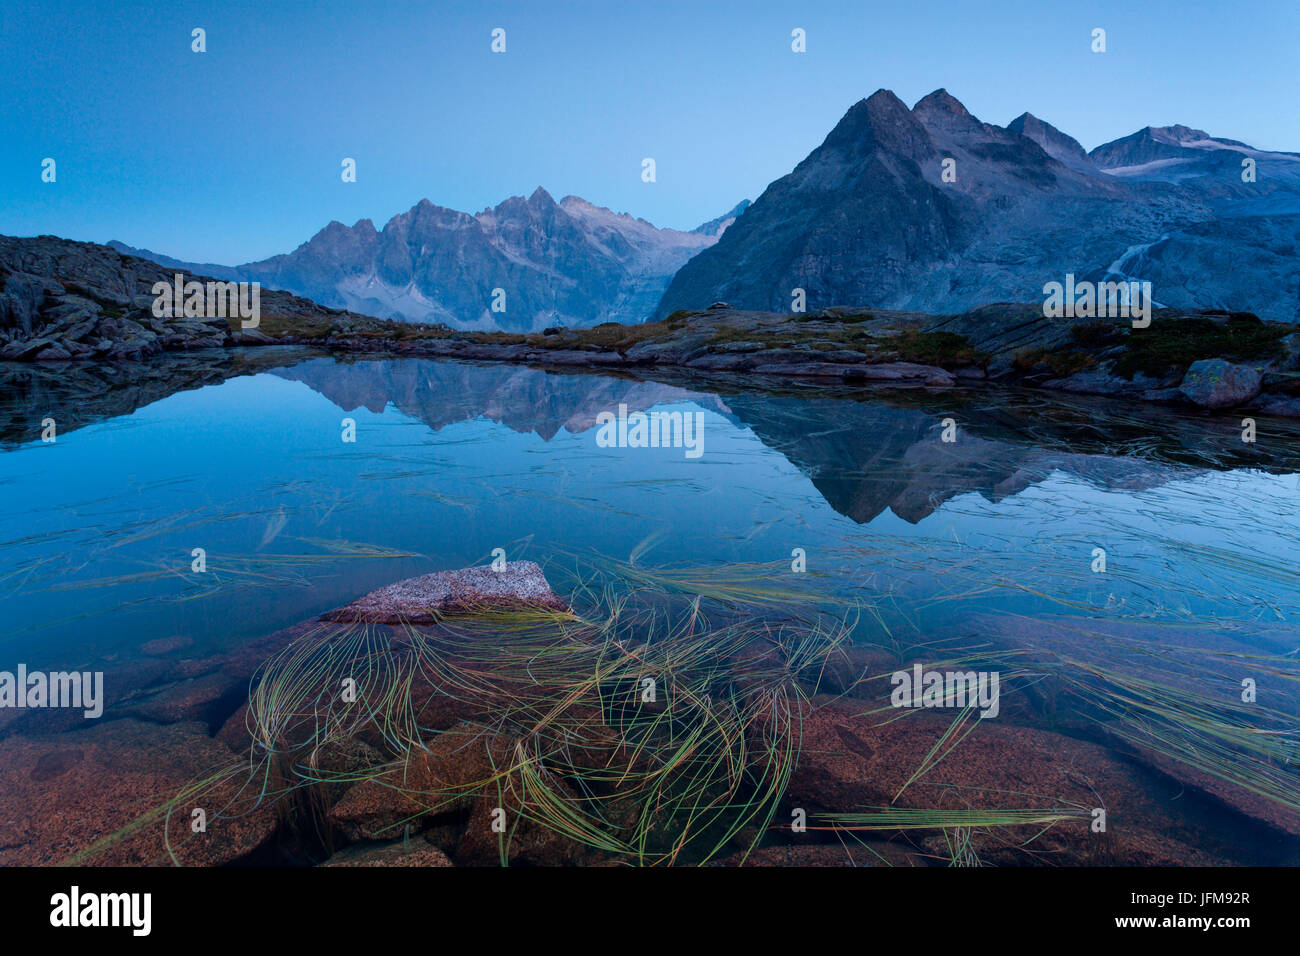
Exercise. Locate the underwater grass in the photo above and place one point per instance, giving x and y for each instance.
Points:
(737, 653)
(683, 775)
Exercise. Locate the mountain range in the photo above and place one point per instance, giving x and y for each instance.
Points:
(569, 263)
(869, 218)
(926, 209)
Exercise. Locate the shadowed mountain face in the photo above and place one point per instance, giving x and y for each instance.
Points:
(1062, 148)
(869, 218)
(569, 263)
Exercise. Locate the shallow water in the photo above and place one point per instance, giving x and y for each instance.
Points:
(987, 541)
(454, 460)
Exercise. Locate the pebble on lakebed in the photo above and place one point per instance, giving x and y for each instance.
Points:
(417, 600)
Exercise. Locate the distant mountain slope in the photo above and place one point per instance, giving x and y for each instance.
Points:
(715, 227)
(570, 263)
(228, 273)
(869, 219)
(1058, 145)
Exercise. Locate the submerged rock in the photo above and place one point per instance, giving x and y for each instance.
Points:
(61, 794)
(397, 853)
(443, 778)
(849, 853)
(449, 794)
(850, 761)
(518, 584)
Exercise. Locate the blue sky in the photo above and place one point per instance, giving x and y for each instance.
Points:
(234, 154)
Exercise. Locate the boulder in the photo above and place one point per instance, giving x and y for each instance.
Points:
(1216, 383)
(444, 778)
(519, 584)
(523, 842)
(209, 698)
(53, 353)
(24, 351)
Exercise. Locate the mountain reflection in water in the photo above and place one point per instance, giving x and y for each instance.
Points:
(242, 455)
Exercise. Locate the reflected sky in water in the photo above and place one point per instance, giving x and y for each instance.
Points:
(454, 460)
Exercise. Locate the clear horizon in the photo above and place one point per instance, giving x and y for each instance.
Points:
(233, 155)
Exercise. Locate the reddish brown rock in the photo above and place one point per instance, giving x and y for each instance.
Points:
(397, 853)
(207, 699)
(851, 853)
(1239, 799)
(523, 842)
(418, 600)
(166, 646)
(440, 780)
(852, 761)
(64, 794)
(234, 732)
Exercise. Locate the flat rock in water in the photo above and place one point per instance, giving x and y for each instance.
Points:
(416, 600)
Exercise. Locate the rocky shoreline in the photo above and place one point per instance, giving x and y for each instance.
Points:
(65, 301)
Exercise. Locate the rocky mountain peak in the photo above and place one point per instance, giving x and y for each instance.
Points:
(880, 122)
(869, 218)
(1061, 147)
(540, 197)
(941, 103)
(1176, 134)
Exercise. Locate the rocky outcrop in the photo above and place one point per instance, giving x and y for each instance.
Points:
(62, 300)
(445, 777)
(1058, 145)
(452, 793)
